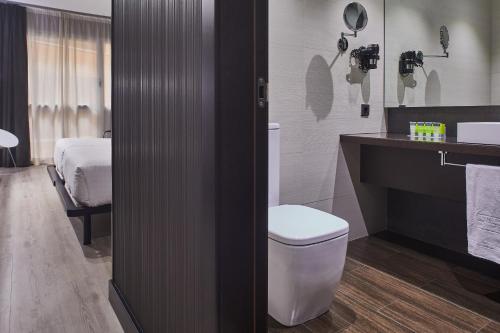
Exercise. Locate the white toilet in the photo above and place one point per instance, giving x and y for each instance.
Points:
(307, 250)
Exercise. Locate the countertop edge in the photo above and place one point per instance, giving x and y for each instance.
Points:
(393, 140)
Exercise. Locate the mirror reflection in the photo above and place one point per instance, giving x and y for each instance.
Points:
(445, 38)
(442, 53)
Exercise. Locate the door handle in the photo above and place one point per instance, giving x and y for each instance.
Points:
(262, 95)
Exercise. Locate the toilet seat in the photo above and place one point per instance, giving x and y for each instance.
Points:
(301, 226)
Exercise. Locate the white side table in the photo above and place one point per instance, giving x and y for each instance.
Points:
(8, 140)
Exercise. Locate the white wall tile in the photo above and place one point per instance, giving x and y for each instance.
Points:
(286, 22)
(312, 99)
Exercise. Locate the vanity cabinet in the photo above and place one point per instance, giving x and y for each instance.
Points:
(425, 201)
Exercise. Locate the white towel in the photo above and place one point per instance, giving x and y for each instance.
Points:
(483, 211)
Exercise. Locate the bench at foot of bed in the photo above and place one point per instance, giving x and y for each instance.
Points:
(75, 211)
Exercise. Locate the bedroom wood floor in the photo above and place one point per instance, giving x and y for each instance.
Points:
(50, 283)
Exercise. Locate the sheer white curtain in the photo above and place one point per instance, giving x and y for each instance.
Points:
(69, 66)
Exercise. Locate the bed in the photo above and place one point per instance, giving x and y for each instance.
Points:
(82, 176)
(64, 145)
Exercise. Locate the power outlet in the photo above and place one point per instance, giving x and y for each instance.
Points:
(365, 110)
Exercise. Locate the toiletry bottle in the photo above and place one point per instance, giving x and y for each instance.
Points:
(424, 130)
(419, 130)
(442, 131)
(428, 130)
(413, 129)
(436, 131)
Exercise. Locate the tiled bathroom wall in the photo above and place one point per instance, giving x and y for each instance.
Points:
(316, 95)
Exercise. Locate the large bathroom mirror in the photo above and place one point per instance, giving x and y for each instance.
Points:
(442, 53)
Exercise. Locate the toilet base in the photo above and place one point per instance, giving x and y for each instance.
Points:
(300, 321)
(303, 279)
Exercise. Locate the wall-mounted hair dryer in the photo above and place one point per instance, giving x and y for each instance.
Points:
(367, 57)
(409, 60)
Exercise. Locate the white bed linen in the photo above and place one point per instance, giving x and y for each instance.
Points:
(63, 144)
(87, 172)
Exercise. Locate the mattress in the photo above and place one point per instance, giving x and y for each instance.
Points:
(64, 144)
(87, 173)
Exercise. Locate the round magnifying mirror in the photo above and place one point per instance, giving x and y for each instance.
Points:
(445, 37)
(355, 17)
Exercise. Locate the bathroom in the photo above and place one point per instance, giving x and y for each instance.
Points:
(409, 263)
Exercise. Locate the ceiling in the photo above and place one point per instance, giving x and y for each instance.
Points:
(94, 7)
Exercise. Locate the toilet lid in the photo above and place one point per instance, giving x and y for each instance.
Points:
(299, 225)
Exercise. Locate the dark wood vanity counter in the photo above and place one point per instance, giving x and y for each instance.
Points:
(403, 141)
(425, 201)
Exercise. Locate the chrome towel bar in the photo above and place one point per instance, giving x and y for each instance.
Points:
(444, 163)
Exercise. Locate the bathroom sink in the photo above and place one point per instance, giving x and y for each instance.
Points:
(482, 133)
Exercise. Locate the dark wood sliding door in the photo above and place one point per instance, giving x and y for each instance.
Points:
(189, 165)
(242, 164)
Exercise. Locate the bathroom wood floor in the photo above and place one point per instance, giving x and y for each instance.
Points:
(51, 283)
(389, 288)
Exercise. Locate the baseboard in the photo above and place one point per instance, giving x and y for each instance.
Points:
(126, 319)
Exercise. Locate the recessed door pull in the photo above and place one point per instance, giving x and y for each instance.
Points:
(261, 93)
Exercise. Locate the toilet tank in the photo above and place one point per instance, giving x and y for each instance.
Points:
(274, 165)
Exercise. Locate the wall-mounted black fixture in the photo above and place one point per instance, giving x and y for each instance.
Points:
(411, 59)
(445, 40)
(356, 19)
(367, 57)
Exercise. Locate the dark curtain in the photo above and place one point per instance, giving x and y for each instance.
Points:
(14, 82)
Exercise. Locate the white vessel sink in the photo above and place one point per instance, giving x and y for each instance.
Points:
(482, 133)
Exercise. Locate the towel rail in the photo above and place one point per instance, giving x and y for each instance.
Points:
(444, 163)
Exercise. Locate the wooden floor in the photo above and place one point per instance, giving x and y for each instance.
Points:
(389, 288)
(49, 282)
